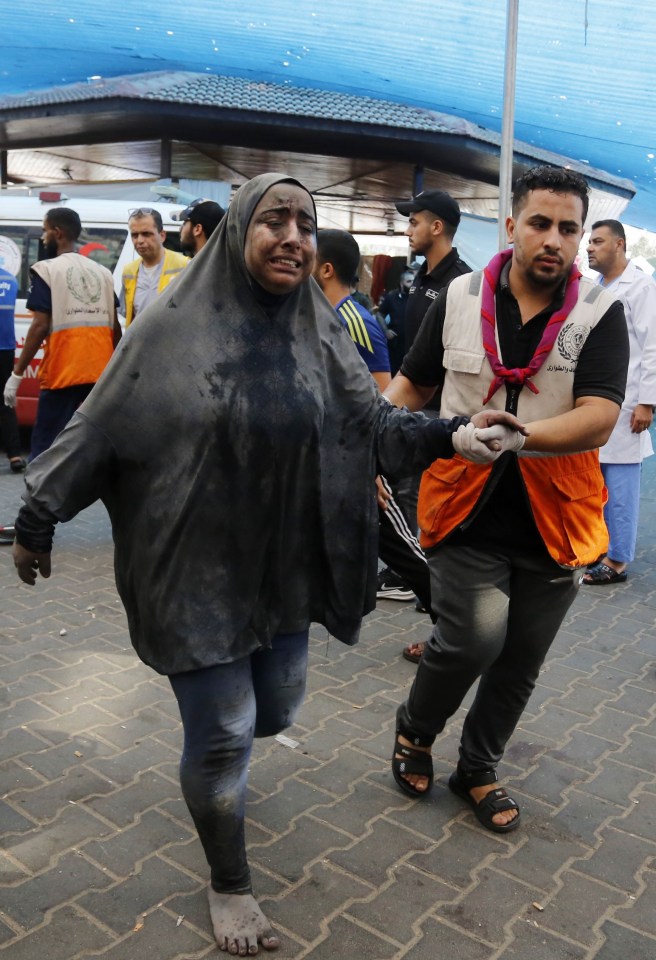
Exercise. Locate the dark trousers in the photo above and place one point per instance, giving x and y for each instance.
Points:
(498, 614)
(8, 422)
(55, 409)
(223, 708)
(399, 549)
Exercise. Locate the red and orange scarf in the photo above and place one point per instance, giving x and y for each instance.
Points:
(518, 376)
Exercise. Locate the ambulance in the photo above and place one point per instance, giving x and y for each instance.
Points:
(104, 238)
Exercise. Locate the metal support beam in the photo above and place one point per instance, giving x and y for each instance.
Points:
(166, 159)
(4, 168)
(508, 125)
(417, 180)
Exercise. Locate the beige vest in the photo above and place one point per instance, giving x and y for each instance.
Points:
(566, 491)
(464, 354)
(80, 341)
(82, 291)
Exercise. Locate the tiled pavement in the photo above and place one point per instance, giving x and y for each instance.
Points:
(99, 858)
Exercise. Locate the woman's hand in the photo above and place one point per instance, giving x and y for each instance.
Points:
(382, 496)
(28, 563)
(489, 434)
(489, 418)
(500, 438)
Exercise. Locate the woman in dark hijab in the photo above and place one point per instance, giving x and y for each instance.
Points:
(236, 460)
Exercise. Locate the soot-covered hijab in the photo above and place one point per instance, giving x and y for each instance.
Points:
(233, 442)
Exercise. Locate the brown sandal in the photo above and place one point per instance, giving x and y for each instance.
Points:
(408, 653)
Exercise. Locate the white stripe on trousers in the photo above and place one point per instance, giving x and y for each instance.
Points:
(399, 523)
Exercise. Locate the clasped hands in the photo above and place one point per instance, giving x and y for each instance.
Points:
(489, 434)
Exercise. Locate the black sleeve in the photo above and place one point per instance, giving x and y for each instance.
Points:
(34, 532)
(602, 366)
(408, 443)
(74, 472)
(422, 364)
(39, 296)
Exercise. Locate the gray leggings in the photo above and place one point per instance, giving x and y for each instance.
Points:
(498, 614)
(222, 709)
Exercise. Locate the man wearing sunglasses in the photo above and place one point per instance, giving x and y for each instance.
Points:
(155, 267)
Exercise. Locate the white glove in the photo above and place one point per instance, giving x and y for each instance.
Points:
(466, 443)
(501, 438)
(11, 389)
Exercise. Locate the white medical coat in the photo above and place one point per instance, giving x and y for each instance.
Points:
(637, 292)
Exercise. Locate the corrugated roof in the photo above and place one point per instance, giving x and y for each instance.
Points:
(586, 71)
(242, 94)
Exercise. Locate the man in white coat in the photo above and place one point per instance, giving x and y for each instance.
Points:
(629, 443)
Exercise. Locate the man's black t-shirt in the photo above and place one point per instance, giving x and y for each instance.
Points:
(504, 515)
(425, 288)
(422, 296)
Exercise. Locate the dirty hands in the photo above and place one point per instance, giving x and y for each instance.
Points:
(28, 563)
(383, 496)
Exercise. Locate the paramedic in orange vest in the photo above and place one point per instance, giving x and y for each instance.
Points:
(73, 305)
(155, 267)
(505, 541)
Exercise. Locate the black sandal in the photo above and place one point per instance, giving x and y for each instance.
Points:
(496, 801)
(411, 761)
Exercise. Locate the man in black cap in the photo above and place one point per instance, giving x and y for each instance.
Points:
(199, 221)
(433, 218)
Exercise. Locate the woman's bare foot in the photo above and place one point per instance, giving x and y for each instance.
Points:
(239, 925)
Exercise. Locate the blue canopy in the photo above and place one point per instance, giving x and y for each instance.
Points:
(586, 71)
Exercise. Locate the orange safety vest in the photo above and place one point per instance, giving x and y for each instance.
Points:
(81, 338)
(566, 492)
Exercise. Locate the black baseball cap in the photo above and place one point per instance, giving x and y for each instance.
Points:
(438, 202)
(205, 212)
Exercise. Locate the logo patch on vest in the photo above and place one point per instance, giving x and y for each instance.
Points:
(84, 285)
(570, 341)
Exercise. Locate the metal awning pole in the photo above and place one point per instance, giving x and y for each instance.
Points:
(508, 124)
(418, 179)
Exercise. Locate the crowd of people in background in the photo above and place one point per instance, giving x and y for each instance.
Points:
(452, 430)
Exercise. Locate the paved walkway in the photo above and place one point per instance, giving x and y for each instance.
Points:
(98, 856)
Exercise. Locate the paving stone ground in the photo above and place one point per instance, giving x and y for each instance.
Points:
(98, 857)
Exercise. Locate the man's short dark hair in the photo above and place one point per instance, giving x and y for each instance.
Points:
(550, 178)
(67, 220)
(340, 249)
(614, 226)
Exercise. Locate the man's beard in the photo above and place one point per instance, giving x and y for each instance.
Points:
(50, 249)
(188, 248)
(548, 281)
